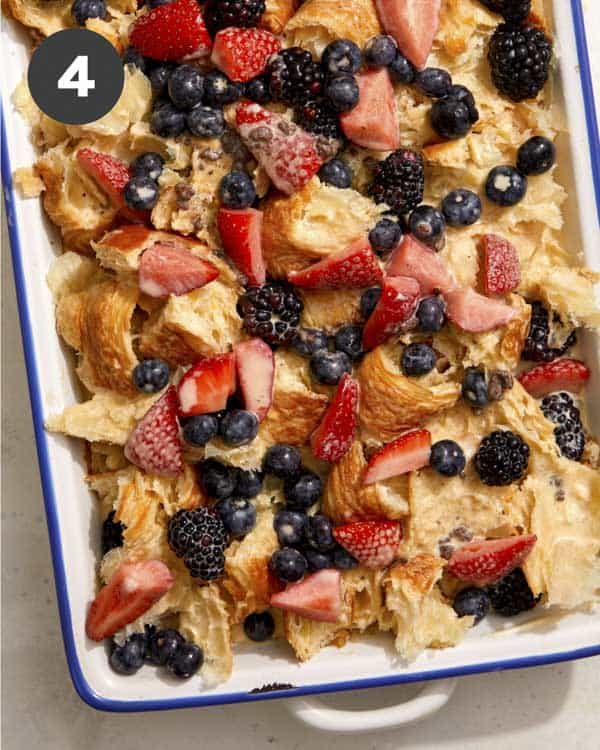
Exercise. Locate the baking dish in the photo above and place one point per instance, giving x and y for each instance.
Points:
(536, 639)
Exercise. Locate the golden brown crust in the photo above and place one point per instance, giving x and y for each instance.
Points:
(330, 309)
(277, 14)
(318, 22)
(421, 572)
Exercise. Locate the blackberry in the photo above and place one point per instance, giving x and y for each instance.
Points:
(318, 116)
(512, 595)
(112, 533)
(568, 433)
(514, 11)
(200, 538)
(519, 61)
(271, 311)
(399, 181)
(502, 458)
(538, 343)
(294, 76)
(220, 14)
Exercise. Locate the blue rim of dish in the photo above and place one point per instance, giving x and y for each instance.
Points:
(82, 687)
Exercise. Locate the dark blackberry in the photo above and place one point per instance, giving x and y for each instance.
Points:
(112, 533)
(538, 346)
(294, 76)
(512, 595)
(318, 116)
(220, 14)
(519, 61)
(200, 538)
(399, 181)
(502, 458)
(271, 311)
(568, 433)
(515, 11)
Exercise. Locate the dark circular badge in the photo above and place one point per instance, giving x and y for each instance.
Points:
(75, 76)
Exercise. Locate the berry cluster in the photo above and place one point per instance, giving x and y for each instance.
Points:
(221, 14)
(327, 367)
(507, 185)
(542, 335)
(502, 458)
(200, 538)
(519, 59)
(478, 392)
(569, 434)
(508, 597)
(163, 648)
(399, 181)
(271, 312)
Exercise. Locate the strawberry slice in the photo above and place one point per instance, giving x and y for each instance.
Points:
(397, 303)
(487, 561)
(317, 596)
(502, 268)
(413, 24)
(241, 237)
(170, 269)
(255, 365)
(288, 154)
(407, 453)
(373, 543)
(334, 435)
(373, 123)
(412, 258)
(207, 385)
(131, 591)
(475, 313)
(560, 375)
(172, 31)
(356, 267)
(154, 444)
(242, 54)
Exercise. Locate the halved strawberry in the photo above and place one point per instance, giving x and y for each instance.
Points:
(471, 311)
(256, 372)
(334, 435)
(373, 543)
(288, 154)
(242, 54)
(407, 453)
(501, 265)
(207, 385)
(241, 237)
(317, 596)
(356, 267)
(397, 303)
(487, 561)
(413, 24)
(154, 444)
(373, 123)
(130, 592)
(171, 31)
(412, 258)
(560, 375)
(170, 269)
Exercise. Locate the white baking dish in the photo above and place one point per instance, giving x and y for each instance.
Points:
(537, 639)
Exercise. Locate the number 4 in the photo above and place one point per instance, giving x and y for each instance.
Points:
(76, 77)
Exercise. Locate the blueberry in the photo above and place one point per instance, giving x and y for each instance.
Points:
(369, 300)
(205, 122)
(149, 164)
(288, 564)
(219, 90)
(536, 156)
(238, 515)
(402, 70)
(461, 208)
(428, 225)
(450, 117)
(141, 193)
(81, 10)
(343, 560)
(167, 121)
(259, 626)
(132, 57)
(431, 314)
(433, 82)
(239, 427)
(318, 533)
(237, 190)
(112, 533)
(303, 491)
(328, 367)
(159, 77)
(186, 86)
(472, 601)
(417, 359)
(151, 375)
(341, 56)
(337, 173)
(317, 560)
(385, 235)
(348, 339)
(200, 429)
(309, 340)
(463, 95)
(163, 644)
(249, 483)
(343, 92)
(380, 51)
(282, 461)
(258, 91)
(186, 661)
(505, 186)
(129, 657)
(217, 479)
(289, 526)
(447, 458)
(474, 387)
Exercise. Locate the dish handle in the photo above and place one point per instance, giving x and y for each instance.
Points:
(312, 711)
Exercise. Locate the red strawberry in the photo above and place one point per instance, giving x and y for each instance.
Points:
(356, 267)
(317, 596)
(207, 385)
(413, 24)
(334, 435)
(373, 123)
(488, 561)
(373, 543)
(560, 375)
(475, 313)
(241, 237)
(397, 303)
(288, 154)
(173, 31)
(242, 54)
(407, 453)
(412, 258)
(131, 591)
(502, 268)
(170, 269)
(256, 372)
(154, 444)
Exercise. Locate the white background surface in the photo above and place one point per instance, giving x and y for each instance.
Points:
(556, 706)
